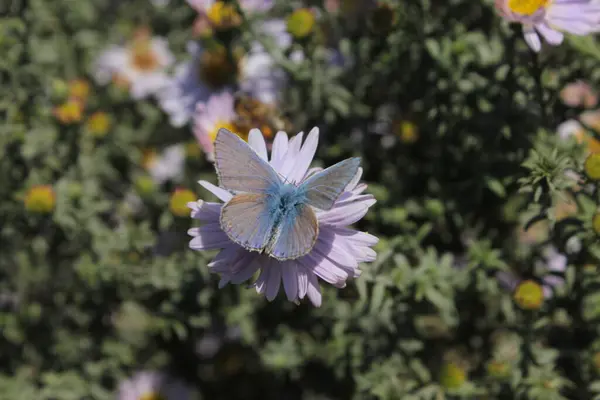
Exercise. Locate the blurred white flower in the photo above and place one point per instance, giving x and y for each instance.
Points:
(140, 65)
(150, 385)
(218, 112)
(185, 89)
(168, 165)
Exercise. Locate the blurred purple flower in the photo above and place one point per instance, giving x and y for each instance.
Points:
(550, 18)
(185, 89)
(218, 112)
(338, 249)
(153, 385)
(554, 262)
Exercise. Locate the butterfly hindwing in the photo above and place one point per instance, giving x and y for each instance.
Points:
(295, 235)
(239, 167)
(246, 221)
(323, 188)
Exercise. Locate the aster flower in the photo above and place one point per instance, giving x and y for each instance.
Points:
(553, 264)
(218, 112)
(153, 385)
(167, 165)
(185, 89)
(139, 65)
(336, 253)
(550, 18)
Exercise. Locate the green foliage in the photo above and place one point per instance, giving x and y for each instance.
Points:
(105, 285)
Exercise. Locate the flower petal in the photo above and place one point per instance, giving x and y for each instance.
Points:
(208, 237)
(314, 291)
(221, 193)
(257, 142)
(205, 211)
(289, 272)
(305, 156)
(279, 150)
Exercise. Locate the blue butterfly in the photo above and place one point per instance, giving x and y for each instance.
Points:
(267, 214)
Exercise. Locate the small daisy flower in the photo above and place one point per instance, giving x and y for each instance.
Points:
(139, 65)
(185, 89)
(151, 385)
(550, 18)
(573, 128)
(168, 165)
(336, 253)
(218, 112)
(40, 199)
(553, 264)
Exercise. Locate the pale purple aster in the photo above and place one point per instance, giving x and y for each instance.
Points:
(185, 89)
(553, 263)
(153, 385)
(218, 112)
(336, 253)
(550, 18)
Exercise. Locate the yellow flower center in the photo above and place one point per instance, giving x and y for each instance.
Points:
(152, 396)
(453, 376)
(40, 199)
(69, 112)
(223, 16)
(120, 81)
(227, 125)
(529, 295)
(179, 200)
(98, 124)
(253, 113)
(143, 58)
(527, 7)
(217, 68)
(79, 88)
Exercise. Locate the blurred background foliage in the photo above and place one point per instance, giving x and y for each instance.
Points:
(486, 282)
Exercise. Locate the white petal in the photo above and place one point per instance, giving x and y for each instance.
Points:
(279, 150)
(257, 142)
(305, 156)
(221, 193)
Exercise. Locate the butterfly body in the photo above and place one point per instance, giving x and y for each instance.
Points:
(267, 214)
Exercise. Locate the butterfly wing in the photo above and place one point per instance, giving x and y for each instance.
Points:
(323, 188)
(246, 221)
(239, 167)
(295, 235)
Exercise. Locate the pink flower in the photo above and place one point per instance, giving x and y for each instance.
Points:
(334, 257)
(218, 112)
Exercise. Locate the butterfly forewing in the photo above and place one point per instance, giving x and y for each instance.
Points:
(323, 188)
(296, 235)
(239, 167)
(246, 221)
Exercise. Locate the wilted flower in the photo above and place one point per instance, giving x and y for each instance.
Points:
(98, 124)
(217, 113)
(149, 385)
(40, 199)
(578, 94)
(140, 65)
(185, 89)
(167, 165)
(550, 18)
(79, 89)
(336, 253)
(179, 200)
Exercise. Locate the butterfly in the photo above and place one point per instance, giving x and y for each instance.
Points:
(268, 214)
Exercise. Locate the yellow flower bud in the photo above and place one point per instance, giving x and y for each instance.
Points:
(70, 111)
(40, 199)
(144, 185)
(529, 295)
(301, 23)
(98, 124)
(407, 131)
(452, 376)
(592, 166)
(179, 200)
(79, 89)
